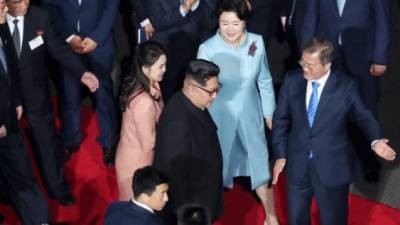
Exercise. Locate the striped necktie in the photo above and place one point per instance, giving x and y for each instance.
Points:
(313, 103)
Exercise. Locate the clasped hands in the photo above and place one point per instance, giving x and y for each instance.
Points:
(82, 46)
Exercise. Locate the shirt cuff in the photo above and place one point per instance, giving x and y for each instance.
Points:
(69, 39)
(373, 143)
(195, 6)
(144, 22)
(183, 14)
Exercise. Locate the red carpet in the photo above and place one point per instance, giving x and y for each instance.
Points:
(94, 187)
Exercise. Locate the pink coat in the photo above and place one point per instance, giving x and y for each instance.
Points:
(138, 134)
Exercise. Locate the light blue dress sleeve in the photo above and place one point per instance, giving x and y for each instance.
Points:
(202, 53)
(265, 86)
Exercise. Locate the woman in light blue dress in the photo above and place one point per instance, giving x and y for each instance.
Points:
(245, 103)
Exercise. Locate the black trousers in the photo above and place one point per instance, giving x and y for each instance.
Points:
(47, 152)
(19, 182)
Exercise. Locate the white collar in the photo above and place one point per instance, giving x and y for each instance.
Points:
(143, 206)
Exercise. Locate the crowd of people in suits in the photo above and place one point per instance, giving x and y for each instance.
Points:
(197, 102)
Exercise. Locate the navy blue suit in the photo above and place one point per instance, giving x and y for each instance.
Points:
(333, 166)
(96, 21)
(180, 35)
(365, 36)
(128, 213)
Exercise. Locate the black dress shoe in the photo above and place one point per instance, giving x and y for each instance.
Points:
(67, 200)
(108, 156)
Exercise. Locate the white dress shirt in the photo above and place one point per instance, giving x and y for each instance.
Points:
(143, 206)
(321, 81)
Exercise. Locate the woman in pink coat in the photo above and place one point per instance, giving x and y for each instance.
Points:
(141, 103)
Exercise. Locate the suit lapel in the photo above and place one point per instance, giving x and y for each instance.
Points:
(326, 96)
(302, 100)
(28, 35)
(74, 2)
(335, 7)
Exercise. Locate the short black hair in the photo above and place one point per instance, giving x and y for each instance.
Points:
(193, 214)
(321, 45)
(237, 6)
(201, 70)
(146, 179)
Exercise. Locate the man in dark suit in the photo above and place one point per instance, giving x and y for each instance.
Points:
(360, 32)
(34, 39)
(264, 18)
(187, 146)
(180, 25)
(150, 194)
(16, 171)
(311, 138)
(87, 26)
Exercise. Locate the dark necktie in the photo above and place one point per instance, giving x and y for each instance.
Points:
(313, 104)
(16, 37)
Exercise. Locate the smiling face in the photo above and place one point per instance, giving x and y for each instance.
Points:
(156, 71)
(231, 28)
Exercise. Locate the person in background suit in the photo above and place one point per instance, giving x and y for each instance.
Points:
(360, 32)
(292, 20)
(187, 147)
(87, 27)
(34, 40)
(180, 25)
(310, 136)
(149, 194)
(18, 180)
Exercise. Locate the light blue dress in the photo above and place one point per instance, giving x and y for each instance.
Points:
(246, 98)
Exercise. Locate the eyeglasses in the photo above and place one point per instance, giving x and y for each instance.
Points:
(306, 65)
(210, 93)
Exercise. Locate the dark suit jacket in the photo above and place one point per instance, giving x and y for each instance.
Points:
(34, 65)
(8, 92)
(96, 21)
(128, 213)
(328, 139)
(140, 12)
(364, 26)
(294, 26)
(264, 18)
(188, 151)
(170, 26)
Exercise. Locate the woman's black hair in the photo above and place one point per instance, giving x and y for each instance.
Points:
(146, 54)
(237, 6)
